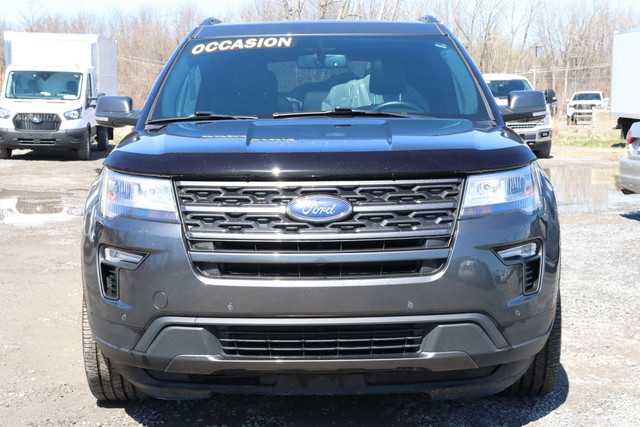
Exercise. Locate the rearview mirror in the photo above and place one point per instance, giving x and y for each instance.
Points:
(524, 105)
(320, 60)
(116, 111)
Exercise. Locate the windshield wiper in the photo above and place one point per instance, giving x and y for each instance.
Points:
(199, 116)
(344, 112)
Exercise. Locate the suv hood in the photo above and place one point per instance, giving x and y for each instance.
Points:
(319, 147)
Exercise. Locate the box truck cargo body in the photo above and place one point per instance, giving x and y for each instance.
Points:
(625, 83)
(49, 90)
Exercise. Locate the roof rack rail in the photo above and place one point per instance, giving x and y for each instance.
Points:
(211, 21)
(429, 19)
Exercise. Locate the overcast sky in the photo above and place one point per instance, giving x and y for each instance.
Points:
(13, 11)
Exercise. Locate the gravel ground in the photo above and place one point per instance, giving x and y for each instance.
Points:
(41, 373)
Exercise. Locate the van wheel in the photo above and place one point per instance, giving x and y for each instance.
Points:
(84, 152)
(102, 136)
(5, 153)
(105, 382)
(541, 377)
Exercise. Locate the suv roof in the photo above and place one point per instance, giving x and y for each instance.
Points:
(423, 27)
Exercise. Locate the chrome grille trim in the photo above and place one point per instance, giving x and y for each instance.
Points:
(397, 228)
(316, 258)
(521, 125)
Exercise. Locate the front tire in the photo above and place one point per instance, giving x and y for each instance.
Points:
(84, 152)
(5, 153)
(102, 136)
(542, 376)
(104, 381)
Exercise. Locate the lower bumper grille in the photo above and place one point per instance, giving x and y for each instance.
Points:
(324, 341)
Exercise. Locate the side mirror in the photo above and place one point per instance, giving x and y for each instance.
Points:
(550, 96)
(116, 111)
(524, 105)
(93, 100)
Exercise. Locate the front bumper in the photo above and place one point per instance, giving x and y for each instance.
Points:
(534, 136)
(482, 330)
(68, 138)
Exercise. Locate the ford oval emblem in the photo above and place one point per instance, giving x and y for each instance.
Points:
(36, 120)
(319, 209)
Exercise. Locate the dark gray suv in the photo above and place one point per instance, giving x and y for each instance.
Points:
(320, 207)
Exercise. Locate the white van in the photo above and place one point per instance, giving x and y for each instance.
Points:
(49, 90)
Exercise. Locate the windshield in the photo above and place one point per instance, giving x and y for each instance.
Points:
(587, 97)
(261, 76)
(43, 85)
(500, 88)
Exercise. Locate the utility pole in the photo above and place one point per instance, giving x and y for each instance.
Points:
(535, 65)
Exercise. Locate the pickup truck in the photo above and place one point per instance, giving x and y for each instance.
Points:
(580, 106)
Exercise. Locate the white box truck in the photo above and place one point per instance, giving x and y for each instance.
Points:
(49, 91)
(625, 82)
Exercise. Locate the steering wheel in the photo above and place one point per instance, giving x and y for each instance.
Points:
(401, 106)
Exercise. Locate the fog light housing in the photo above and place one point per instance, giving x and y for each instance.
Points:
(118, 256)
(520, 252)
(111, 261)
(529, 259)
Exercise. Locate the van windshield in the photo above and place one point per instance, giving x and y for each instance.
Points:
(500, 88)
(43, 85)
(262, 76)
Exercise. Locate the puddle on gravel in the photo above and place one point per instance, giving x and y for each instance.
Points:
(32, 209)
(582, 189)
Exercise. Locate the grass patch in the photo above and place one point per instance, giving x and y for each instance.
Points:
(599, 134)
(588, 138)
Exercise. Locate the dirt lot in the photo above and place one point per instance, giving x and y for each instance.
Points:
(41, 373)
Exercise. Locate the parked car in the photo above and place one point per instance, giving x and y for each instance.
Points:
(537, 134)
(581, 105)
(630, 162)
(320, 207)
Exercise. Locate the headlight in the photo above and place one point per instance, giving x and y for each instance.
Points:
(546, 120)
(137, 197)
(73, 114)
(4, 114)
(496, 193)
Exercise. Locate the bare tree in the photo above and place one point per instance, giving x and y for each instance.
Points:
(566, 44)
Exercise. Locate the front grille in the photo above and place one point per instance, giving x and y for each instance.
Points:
(321, 341)
(583, 106)
(242, 229)
(513, 125)
(47, 122)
